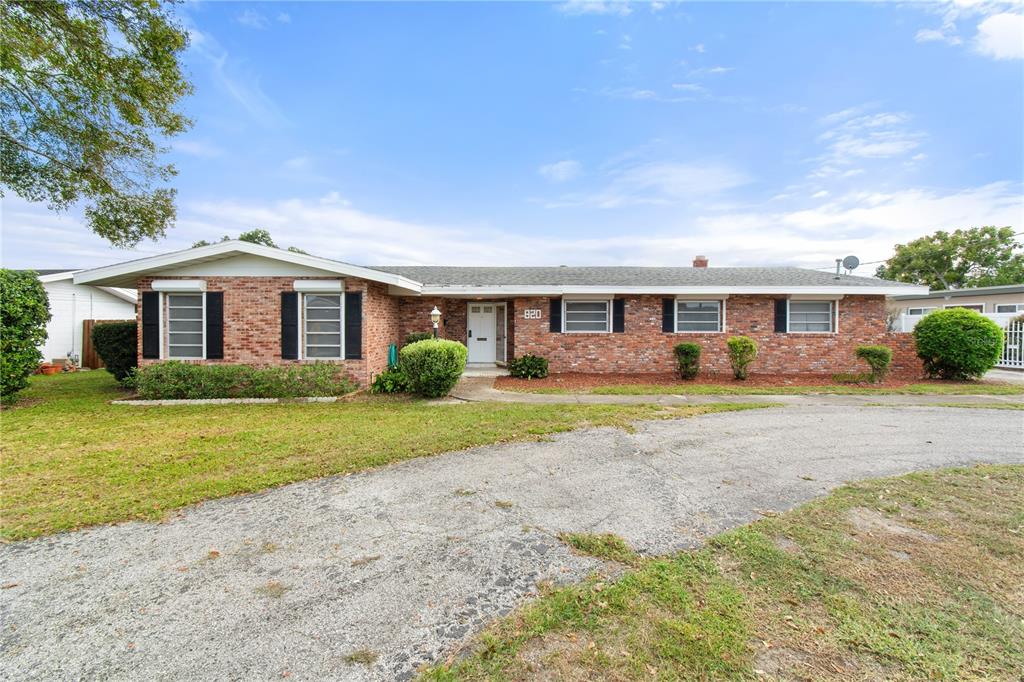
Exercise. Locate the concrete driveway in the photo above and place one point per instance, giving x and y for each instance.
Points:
(404, 564)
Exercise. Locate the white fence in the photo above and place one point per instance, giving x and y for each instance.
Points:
(1013, 346)
(1013, 343)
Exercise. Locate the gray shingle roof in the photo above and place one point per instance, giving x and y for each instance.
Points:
(440, 276)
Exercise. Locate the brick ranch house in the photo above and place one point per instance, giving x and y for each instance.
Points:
(236, 302)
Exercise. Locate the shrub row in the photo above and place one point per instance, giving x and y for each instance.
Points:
(181, 380)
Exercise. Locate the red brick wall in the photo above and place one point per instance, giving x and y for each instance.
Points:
(643, 347)
(252, 322)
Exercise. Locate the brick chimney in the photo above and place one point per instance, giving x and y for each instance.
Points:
(700, 261)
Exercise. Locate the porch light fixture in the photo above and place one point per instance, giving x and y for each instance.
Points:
(435, 318)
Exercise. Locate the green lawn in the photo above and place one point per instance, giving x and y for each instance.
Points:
(682, 388)
(910, 578)
(71, 459)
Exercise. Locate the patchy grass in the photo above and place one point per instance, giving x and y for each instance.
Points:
(933, 388)
(274, 589)
(362, 657)
(916, 577)
(978, 406)
(71, 459)
(604, 546)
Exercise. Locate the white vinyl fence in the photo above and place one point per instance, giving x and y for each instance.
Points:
(1013, 344)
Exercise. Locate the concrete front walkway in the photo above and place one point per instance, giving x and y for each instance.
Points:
(479, 389)
(367, 577)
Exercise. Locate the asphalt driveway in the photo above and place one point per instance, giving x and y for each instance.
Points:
(401, 565)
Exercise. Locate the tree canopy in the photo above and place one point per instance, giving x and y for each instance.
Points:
(88, 88)
(255, 236)
(976, 257)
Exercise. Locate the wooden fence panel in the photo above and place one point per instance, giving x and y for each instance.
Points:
(90, 358)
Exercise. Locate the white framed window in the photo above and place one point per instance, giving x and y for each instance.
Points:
(700, 316)
(920, 311)
(322, 326)
(586, 316)
(1010, 307)
(811, 317)
(977, 307)
(186, 326)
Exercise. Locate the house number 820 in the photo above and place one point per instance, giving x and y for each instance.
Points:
(531, 314)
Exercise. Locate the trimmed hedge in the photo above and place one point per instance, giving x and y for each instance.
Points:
(742, 351)
(24, 312)
(688, 358)
(957, 343)
(176, 380)
(117, 345)
(528, 367)
(878, 358)
(416, 337)
(433, 367)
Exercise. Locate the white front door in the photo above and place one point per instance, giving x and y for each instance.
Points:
(480, 332)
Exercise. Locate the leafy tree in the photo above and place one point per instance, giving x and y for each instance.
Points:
(24, 312)
(87, 87)
(257, 236)
(977, 257)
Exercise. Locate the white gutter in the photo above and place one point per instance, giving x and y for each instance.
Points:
(562, 290)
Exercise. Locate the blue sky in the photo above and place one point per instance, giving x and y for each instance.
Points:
(585, 132)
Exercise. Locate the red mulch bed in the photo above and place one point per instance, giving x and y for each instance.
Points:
(580, 381)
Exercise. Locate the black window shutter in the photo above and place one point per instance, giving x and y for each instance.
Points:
(151, 324)
(781, 308)
(619, 315)
(556, 315)
(668, 314)
(215, 325)
(353, 325)
(289, 325)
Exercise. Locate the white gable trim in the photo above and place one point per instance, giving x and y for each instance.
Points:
(125, 273)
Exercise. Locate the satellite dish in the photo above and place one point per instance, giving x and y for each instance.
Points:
(851, 262)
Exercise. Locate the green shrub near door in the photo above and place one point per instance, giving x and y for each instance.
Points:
(957, 343)
(528, 367)
(433, 367)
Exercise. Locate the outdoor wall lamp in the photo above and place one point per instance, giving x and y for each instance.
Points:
(435, 318)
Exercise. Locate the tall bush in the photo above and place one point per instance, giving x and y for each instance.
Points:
(117, 344)
(24, 312)
(742, 351)
(688, 358)
(434, 366)
(416, 337)
(878, 358)
(957, 343)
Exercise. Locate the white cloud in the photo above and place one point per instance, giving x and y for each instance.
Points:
(1001, 36)
(252, 19)
(688, 87)
(200, 148)
(283, 18)
(656, 183)
(580, 7)
(626, 42)
(699, 47)
(931, 35)
(561, 171)
(820, 194)
(711, 71)
(855, 135)
(241, 85)
(298, 163)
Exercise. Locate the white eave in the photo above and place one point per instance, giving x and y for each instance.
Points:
(126, 274)
(125, 294)
(569, 290)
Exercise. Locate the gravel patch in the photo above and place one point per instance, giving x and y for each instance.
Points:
(367, 577)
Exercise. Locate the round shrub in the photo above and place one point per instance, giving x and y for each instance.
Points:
(117, 344)
(742, 351)
(24, 312)
(433, 366)
(957, 343)
(528, 367)
(878, 358)
(688, 357)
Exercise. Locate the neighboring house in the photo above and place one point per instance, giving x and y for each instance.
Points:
(71, 303)
(1006, 299)
(236, 302)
